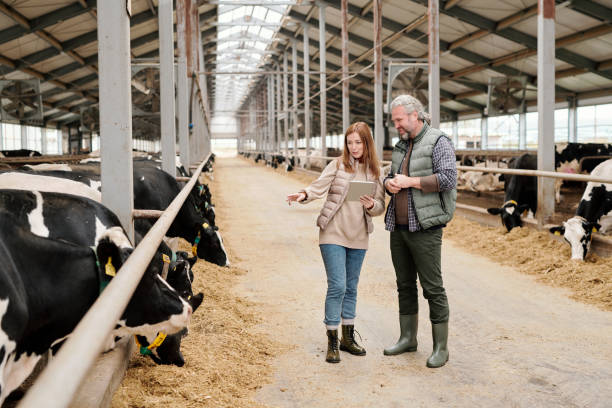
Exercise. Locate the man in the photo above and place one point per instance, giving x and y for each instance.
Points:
(422, 183)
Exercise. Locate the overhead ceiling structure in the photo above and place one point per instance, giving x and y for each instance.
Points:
(56, 43)
(244, 38)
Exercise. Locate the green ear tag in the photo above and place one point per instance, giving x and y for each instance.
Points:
(145, 351)
(109, 269)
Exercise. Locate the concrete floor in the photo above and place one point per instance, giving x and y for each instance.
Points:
(513, 341)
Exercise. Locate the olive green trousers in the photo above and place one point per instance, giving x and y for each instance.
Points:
(418, 254)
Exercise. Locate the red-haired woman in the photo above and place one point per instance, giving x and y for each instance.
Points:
(344, 231)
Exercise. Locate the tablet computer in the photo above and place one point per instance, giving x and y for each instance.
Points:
(360, 188)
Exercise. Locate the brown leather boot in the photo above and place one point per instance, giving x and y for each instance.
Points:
(333, 355)
(348, 342)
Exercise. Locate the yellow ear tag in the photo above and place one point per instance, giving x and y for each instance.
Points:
(205, 225)
(194, 250)
(557, 233)
(109, 268)
(166, 258)
(158, 341)
(594, 229)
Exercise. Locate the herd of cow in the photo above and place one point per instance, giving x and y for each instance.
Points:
(60, 247)
(594, 212)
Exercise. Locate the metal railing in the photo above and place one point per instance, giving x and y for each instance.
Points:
(60, 381)
(521, 172)
(538, 173)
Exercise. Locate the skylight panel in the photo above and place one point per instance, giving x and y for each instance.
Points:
(266, 32)
(259, 12)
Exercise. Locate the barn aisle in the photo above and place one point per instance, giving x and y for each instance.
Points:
(513, 341)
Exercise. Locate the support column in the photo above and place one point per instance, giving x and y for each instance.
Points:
(271, 130)
(346, 114)
(572, 120)
(522, 131)
(183, 112)
(456, 134)
(278, 110)
(379, 134)
(546, 109)
(116, 111)
(43, 141)
(295, 99)
(24, 136)
(323, 79)
(286, 102)
(484, 132)
(434, 62)
(166, 87)
(307, 93)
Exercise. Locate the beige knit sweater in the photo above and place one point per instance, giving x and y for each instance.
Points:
(342, 222)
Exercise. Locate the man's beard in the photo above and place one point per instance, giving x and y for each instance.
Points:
(405, 135)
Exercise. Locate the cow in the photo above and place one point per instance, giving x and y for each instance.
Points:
(166, 348)
(569, 155)
(82, 221)
(594, 213)
(47, 285)
(19, 153)
(520, 193)
(153, 189)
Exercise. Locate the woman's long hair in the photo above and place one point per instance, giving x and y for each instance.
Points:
(369, 157)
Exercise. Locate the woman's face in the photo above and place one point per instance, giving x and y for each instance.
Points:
(355, 145)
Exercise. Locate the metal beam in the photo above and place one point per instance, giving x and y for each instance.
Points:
(166, 85)
(546, 109)
(346, 119)
(46, 20)
(322, 80)
(434, 62)
(379, 132)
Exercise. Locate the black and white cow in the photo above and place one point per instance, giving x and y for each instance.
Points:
(594, 213)
(169, 351)
(520, 192)
(154, 189)
(569, 155)
(46, 286)
(19, 153)
(82, 221)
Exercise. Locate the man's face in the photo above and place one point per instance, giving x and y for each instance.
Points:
(405, 123)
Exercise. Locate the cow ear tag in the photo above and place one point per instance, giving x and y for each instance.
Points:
(594, 229)
(557, 233)
(166, 258)
(205, 225)
(109, 269)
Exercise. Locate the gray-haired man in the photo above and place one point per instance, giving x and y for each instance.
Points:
(422, 183)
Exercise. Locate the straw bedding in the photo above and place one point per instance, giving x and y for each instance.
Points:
(535, 253)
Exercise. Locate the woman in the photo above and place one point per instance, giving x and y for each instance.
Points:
(344, 231)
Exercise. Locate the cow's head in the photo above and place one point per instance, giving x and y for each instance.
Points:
(510, 214)
(155, 306)
(208, 244)
(180, 276)
(169, 351)
(577, 232)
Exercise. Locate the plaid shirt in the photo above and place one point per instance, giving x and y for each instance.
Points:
(445, 169)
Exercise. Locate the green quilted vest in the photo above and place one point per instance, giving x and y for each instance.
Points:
(436, 208)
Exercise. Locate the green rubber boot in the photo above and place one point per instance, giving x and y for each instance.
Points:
(409, 325)
(439, 356)
(333, 354)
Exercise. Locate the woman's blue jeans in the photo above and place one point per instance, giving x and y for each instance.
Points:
(342, 266)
